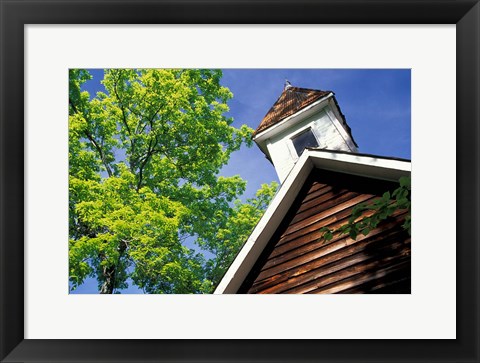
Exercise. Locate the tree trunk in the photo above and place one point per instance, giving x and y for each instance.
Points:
(109, 272)
(109, 283)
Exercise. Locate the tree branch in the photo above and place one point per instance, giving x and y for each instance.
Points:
(92, 140)
(150, 149)
(100, 151)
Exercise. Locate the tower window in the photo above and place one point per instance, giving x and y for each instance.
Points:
(303, 140)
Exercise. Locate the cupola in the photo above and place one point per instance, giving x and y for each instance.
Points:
(299, 119)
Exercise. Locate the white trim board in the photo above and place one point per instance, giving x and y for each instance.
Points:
(356, 164)
(283, 124)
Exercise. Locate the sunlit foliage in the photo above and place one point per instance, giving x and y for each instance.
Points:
(144, 161)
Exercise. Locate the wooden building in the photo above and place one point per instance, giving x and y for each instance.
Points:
(323, 176)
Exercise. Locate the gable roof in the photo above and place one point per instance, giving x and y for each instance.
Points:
(298, 260)
(290, 101)
(372, 166)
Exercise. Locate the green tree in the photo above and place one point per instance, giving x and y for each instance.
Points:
(144, 162)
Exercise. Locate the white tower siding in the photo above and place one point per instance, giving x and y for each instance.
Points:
(327, 129)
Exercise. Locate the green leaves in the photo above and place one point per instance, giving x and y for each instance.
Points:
(366, 217)
(327, 234)
(225, 229)
(144, 159)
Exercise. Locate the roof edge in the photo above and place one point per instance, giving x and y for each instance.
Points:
(256, 136)
(359, 154)
(378, 167)
(321, 95)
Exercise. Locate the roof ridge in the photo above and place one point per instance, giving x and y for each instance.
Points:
(291, 100)
(303, 89)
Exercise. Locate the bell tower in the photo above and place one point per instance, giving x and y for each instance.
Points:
(302, 118)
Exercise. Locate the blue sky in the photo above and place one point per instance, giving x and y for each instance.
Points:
(376, 104)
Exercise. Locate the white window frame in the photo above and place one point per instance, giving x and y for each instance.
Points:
(291, 145)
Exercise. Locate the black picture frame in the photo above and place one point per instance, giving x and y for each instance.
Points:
(15, 14)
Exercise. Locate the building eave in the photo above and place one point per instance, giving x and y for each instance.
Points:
(373, 166)
(280, 126)
(291, 100)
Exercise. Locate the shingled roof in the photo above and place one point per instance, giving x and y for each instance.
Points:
(292, 100)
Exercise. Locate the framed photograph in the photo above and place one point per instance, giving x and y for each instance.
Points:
(49, 312)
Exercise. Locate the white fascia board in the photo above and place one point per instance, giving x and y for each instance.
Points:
(356, 164)
(362, 165)
(339, 122)
(279, 127)
(266, 227)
